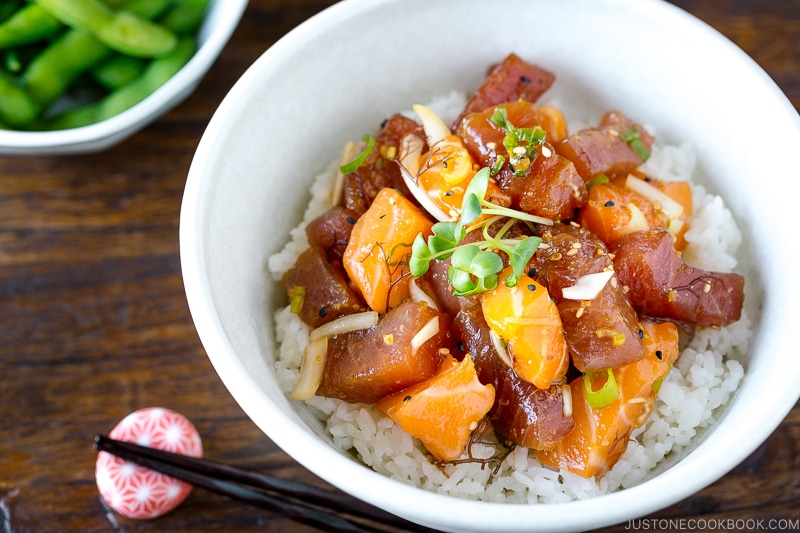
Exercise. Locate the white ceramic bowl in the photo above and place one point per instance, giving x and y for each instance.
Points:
(336, 76)
(218, 26)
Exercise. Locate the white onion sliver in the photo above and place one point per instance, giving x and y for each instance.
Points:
(422, 197)
(410, 155)
(348, 152)
(566, 398)
(587, 287)
(435, 128)
(666, 204)
(675, 225)
(311, 369)
(418, 295)
(501, 350)
(425, 333)
(638, 222)
(346, 324)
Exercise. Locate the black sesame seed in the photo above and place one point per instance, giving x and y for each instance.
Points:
(351, 220)
(531, 287)
(524, 79)
(323, 311)
(659, 355)
(407, 399)
(648, 178)
(609, 203)
(641, 334)
(531, 272)
(449, 193)
(461, 346)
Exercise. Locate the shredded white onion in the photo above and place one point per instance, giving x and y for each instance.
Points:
(311, 369)
(501, 349)
(674, 225)
(418, 295)
(566, 398)
(425, 333)
(664, 203)
(588, 287)
(410, 155)
(410, 159)
(345, 324)
(435, 128)
(638, 222)
(423, 198)
(348, 152)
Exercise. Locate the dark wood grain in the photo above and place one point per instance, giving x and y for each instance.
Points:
(94, 323)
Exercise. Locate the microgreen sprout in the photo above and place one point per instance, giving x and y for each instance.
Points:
(474, 267)
(520, 143)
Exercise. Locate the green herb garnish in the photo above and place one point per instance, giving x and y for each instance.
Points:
(605, 395)
(632, 136)
(297, 295)
(474, 267)
(520, 143)
(353, 165)
(597, 180)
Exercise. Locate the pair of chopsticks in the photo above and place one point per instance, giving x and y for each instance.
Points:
(323, 509)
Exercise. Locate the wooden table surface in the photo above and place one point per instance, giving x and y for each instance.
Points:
(94, 322)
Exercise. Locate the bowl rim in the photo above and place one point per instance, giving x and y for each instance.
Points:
(364, 483)
(96, 136)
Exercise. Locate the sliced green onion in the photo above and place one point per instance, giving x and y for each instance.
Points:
(353, 165)
(497, 166)
(528, 138)
(605, 395)
(297, 294)
(597, 180)
(500, 117)
(657, 384)
(633, 138)
(640, 148)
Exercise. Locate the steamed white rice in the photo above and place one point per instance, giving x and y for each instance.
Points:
(702, 381)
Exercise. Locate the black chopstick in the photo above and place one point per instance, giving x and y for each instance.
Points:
(303, 503)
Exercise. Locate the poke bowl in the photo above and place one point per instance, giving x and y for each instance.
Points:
(266, 168)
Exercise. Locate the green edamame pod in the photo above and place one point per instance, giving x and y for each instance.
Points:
(118, 71)
(52, 71)
(17, 109)
(115, 4)
(186, 17)
(29, 24)
(156, 74)
(120, 30)
(18, 58)
(11, 62)
(8, 8)
(148, 9)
